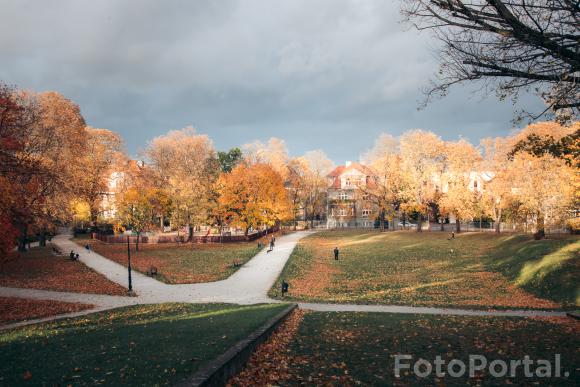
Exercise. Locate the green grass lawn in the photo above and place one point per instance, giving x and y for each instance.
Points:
(184, 263)
(359, 348)
(474, 270)
(143, 345)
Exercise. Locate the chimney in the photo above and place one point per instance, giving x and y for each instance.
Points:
(347, 164)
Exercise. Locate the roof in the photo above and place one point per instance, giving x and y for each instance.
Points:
(340, 170)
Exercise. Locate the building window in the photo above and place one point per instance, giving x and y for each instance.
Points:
(341, 212)
(343, 196)
(475, 184)
(366, 212)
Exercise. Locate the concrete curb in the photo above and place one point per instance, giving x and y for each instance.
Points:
(221, 369)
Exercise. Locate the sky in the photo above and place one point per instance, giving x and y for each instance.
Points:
(320, 74)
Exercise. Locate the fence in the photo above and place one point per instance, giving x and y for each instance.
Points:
(449, 227)
(182, 238)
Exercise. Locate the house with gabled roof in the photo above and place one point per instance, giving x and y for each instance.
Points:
(347, 206)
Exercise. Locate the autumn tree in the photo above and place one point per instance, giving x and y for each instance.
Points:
(103, 153)
(43, 137)
(516, 46)
(498, 192)
(253, 195)
(422, 156)
(135, 209)
(566, 148)
(17, 116)
(186, 166)
(296, 186)
(388, 184)
(274, 152)
(544, 185)
(318, 165)
(459, 197)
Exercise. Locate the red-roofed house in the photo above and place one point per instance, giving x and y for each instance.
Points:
(347, 206)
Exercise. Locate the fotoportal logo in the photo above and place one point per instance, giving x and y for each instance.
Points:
(478, 365)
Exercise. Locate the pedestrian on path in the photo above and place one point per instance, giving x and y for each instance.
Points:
(336, 251)
(284, 287)
(88, 247)
(271, 244)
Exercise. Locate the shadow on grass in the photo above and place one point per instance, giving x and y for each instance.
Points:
(547, 268)
(143, 345)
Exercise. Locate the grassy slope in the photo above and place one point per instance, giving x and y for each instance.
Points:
(474, 270)
(359, 347)
(549, 268)
(179, 264)
(144, 345)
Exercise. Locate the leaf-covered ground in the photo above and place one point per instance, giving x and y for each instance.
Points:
(183, 263)
(270, 363)
(349, 349)
(474, 270)
(18, 309)
(38, 268)
(142, 345)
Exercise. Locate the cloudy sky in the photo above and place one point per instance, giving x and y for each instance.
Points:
(321, 74)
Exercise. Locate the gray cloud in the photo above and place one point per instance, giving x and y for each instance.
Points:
(324, 74)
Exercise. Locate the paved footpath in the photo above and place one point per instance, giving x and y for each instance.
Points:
(249, 285)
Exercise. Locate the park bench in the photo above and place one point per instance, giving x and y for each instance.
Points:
(152, 271)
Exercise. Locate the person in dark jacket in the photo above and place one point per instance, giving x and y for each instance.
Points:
(336, 251)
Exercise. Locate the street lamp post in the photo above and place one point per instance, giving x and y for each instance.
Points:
(129, 265)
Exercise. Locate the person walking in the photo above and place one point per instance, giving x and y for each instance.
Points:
(284, 287)
(336, 251)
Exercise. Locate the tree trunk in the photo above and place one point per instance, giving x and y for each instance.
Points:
(42, 240)
(190, 233)
(420, 223)
(442, 224)
(22, 238)
(457, 225)
(540, 228)
(137, 242)
(161, 224)
(93, 214)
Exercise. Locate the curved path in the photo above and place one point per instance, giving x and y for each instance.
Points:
(249, 285)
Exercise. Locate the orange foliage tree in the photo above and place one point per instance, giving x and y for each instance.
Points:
(42, 138)
(253, 196)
